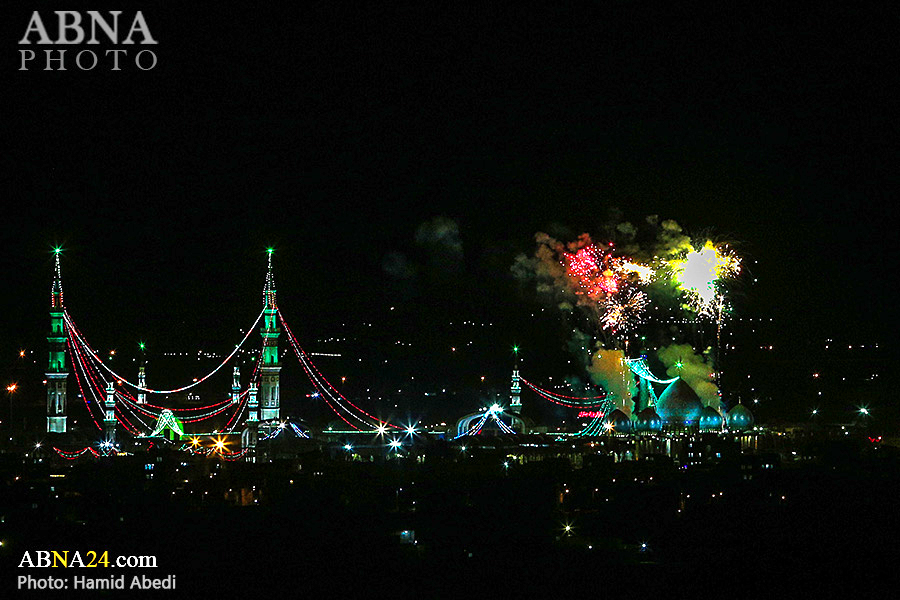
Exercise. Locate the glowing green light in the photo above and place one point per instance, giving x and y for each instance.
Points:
(270, 250)
(142, 345)
(679, 365)
(57, 250)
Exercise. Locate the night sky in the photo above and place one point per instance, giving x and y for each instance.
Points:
(336, 133)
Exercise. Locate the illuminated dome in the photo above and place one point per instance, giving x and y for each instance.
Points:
(620, 421)
(710, 419)
(647, 420)
(679, 405)
(739, 417)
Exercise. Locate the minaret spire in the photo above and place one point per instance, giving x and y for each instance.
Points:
(269, 289)
(56, 291)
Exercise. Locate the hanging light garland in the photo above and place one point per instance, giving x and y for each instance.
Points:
(327, 390)
(118, 377)
(563, 400)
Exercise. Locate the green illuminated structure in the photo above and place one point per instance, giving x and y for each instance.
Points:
(109, 413)
(169, 426)
(250, 433)
(142, 381)
(56, 369)
(515, 392)
(270, 401)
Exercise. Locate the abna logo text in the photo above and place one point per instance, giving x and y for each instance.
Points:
(93, 29)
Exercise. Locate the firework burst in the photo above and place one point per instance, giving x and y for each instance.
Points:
(622, 314)
(607, 283)
(700, 273)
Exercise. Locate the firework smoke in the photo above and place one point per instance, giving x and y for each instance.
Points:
(589, 275)
(608, 370)
(681, 360)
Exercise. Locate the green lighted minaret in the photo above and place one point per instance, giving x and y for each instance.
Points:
(269, 397)
(515, 389)
(56, 368)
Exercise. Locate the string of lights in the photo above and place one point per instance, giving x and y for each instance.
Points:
(80, 388)
(272, 434)
(239, 411)
(135, 415)
(197, 382)
(476, 428)
(97, 390)
(299, 432)
(77, 453)
(326, 389)
(639, 367)
(567, 401)
(323, 393)
(123, 420)
(594, 428)
(322, 377)
(503, 426)
(232, 456)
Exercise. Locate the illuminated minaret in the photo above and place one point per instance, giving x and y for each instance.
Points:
(56, 369)
(109, 413)
(515, 393)
(142, 383)
(236, 385)
(250, 433)
(252, 405)
(269, 401)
